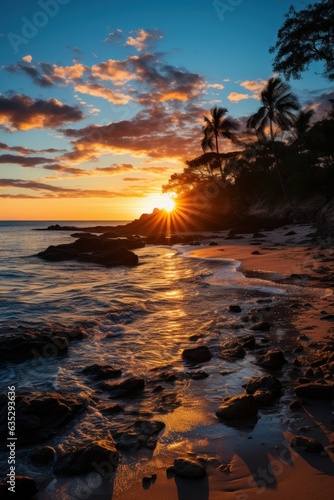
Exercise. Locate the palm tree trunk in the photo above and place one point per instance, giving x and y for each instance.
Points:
(278, 167)
(218, 157)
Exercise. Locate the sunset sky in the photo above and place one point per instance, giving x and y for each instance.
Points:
(101, 101)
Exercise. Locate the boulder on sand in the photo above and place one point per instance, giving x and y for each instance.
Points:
(128, 387)
(304, 443)
(188, 469)
(315, 391)
(25, 487)
(39, 416)
(237, 407)
(197, 354)
(272, 360)
(87, 459)
(268, 384)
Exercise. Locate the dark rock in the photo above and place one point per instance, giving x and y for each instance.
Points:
(39, 416)
(128, 387)
(263, 326)
(303, 380)
(25, 487)
(273, 360)
(111, 410)
(158, 388)
(269, 384)
(194, 338)
(168, 377)
(104, 251)
(126, 441)
(197, 354)
(234, 352)
(100, 372)
(143, 434)
(315, 391)
(82, 460)
(18, 346)
(188, 469)
(319, 362)
(309, 372)
(149, 427)
(304, 443)
(237, 407)
(42, 456)
(247, 342)
(290, 233)
(235, 308)
(256, 252)
(263, 397)
(198, 375)
(305, 428)
(110, 234)
(325, 223)
(295, 405)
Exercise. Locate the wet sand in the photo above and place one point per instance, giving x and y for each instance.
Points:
(260, 466)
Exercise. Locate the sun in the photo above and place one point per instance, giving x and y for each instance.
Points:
(162, 201)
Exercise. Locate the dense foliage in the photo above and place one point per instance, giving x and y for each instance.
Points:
(281, 148)
(306, 36)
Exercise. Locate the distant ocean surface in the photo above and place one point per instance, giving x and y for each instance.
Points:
(139, 318)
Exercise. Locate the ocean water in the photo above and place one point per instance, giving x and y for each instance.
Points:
(139, 319)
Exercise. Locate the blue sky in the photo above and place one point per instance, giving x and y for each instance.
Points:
(93, 83)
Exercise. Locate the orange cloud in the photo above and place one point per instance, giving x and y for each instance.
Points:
(27, 58)
(144, 39)
(236, 97)
(216, 86)
(116, 71)
(20, 112)
(68, 73)
(253, 85)
(98, 90)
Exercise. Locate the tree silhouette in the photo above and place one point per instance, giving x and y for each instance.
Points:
(306, 36)
(218, 125)
(300, 127)
(278, 105)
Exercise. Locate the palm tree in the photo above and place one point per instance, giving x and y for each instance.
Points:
(217, 125)
(301, 126)
(278, 106)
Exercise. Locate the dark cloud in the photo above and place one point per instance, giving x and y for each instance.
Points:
(30, 70)
(49, 191)
(155, 133)
(21, 112)
(28, 151)
(116, 168)
(320, 104)
(115, 36)
(23, 161)
(57, 167)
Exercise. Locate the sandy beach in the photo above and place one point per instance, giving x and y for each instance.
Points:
(263, 468)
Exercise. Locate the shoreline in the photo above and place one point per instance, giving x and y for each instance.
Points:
(244, 459)
(286, 472)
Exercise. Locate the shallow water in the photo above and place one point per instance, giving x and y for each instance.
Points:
(139, 319)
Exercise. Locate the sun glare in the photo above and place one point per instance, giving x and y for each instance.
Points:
(161, 201)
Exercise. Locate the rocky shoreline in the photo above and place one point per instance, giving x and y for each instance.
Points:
(296, 377)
